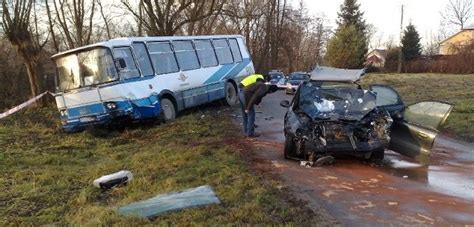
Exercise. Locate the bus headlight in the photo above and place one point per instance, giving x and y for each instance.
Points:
(111, 105)
(63, 113)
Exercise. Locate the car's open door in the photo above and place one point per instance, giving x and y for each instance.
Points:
(414, 135)
(415, 127)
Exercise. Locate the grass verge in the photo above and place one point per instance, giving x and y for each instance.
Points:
(452, 88)
(46, 175)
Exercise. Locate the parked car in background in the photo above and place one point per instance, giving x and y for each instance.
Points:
(294, 80)
(332, 115)
(276, 77)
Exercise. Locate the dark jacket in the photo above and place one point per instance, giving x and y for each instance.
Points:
(254, 94)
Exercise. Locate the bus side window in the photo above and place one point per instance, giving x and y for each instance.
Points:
(205, 52)
(223, 51)
(186, 55)
(162, 57)
(130, 70)
(143, 59)
(234, 46)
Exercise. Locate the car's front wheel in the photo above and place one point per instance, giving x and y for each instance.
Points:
(290, 147)
(377, 155)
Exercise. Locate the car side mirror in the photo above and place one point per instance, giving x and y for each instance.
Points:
(398, 115)
(121, 64)
(285, 103)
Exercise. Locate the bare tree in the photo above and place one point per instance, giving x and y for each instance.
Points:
(458, 12)
(390, 42)
(1, 21)
(73, 21)
(371, 35)
(376, 41)
(24, 36)
(431, 46)
(105, 18)
(168, 17)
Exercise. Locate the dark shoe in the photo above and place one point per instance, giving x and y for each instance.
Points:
(256, 126)
(254, 135)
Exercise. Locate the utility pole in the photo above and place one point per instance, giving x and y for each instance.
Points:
(400, 48)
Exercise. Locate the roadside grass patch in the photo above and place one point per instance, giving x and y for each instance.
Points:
(46, 175)
(456, 89)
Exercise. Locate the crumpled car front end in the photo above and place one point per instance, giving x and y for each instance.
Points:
(335, 121)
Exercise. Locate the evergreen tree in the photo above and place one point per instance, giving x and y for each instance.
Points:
(348, 47)
(411, 47)
(351, 14)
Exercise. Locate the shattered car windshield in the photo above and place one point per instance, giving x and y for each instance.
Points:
(85, 68)
(335, 103)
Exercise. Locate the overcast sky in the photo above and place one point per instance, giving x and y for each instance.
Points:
(385, 14)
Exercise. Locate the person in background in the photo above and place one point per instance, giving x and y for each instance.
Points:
(251, 80)
(252, 95)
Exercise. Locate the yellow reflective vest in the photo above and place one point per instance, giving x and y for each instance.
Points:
(251, 79)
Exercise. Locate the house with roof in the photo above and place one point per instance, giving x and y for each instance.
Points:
(376, 58)
(457, 42)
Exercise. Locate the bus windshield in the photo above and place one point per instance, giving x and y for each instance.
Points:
(85, 68)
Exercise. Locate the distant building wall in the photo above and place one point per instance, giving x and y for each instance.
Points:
(455, 43)
(376, 58)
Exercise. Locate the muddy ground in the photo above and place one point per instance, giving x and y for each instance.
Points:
(356, 192)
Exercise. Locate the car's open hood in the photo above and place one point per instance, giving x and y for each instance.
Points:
(321, 73)
(349, 104)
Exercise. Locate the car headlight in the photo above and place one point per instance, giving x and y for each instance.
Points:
(111, 105)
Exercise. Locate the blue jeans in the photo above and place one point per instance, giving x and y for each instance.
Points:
(248, 118)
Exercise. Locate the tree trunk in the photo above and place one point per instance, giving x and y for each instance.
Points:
(33, 78)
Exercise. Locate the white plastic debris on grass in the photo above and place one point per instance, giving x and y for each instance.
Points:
(325, 105)
(157, 205)
(114, 179)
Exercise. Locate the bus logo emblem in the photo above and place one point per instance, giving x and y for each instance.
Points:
(182, 77)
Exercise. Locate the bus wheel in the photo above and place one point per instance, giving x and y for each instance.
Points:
(169, 112)
(230, 94)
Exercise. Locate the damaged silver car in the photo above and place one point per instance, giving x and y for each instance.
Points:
(332, 115)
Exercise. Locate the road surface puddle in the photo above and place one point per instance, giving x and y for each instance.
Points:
(443, 176)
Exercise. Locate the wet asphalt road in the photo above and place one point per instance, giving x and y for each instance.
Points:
(355, 192)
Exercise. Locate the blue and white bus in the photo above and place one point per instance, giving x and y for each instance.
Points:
(147, 77)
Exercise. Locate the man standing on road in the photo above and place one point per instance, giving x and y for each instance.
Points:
(252, 95)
